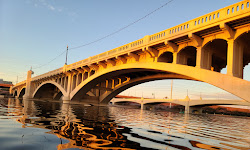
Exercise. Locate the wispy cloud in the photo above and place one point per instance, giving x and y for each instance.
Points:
(45, 4)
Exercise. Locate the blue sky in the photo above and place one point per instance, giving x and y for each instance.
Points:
(33, 32)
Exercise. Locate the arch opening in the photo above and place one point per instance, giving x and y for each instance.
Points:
(79, 78)
(215, 55)
(85, 76)
(22, 93)
(48, 91)
(166, 57)
(74, 81)
(187, 56)
(92, 72)
(128, 103)
(110, 80)
(242, 46)
(62, 81)
(66, 82)
(164, 106)
(15, 93)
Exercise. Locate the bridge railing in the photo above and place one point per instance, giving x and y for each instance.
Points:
(107, 54)
(48, 74)
(178, 30)
(204, 20)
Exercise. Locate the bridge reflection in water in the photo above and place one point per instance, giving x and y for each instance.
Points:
(119, 128)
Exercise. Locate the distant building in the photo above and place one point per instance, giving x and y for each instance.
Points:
(5, 82)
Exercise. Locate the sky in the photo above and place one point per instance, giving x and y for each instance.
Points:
(34, 32)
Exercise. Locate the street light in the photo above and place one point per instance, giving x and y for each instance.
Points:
(66, 55)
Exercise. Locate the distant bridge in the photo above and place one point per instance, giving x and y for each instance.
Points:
(190, 105)
(195, 50)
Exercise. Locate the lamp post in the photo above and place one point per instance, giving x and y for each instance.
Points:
(66, 55)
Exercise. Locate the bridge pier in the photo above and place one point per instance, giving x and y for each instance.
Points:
(187, 108)
(192, 109)
(66, 99)
(28, 90)
(142, 106)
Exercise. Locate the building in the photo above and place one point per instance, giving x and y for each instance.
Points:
(5, 82)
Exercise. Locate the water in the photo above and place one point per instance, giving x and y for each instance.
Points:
(41, 125)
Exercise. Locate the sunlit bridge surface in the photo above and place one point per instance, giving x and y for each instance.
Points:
(41, 125)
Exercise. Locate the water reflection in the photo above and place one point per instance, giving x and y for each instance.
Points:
(75, 126)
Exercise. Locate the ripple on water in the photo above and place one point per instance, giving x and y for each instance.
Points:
(46, 125)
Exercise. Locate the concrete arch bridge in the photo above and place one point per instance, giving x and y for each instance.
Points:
(190, 105)
(195, 50)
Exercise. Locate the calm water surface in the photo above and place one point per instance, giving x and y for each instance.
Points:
(39, 125)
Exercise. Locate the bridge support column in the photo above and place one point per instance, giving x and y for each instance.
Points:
(28, 90)
(187, 108)
(199, 57)
(234, 59)
(142, 106)
(66, 99)
(175, 59)
(68, 83)
(192, 109)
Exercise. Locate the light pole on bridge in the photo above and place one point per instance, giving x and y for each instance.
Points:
(66, 55)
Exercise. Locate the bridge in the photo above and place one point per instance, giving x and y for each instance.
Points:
(195, 50)
(190, 105)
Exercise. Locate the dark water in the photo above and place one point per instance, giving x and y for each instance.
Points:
(39, 125)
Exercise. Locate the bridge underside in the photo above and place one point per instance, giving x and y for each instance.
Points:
(102, 89)
(106, 85)
(48, 91)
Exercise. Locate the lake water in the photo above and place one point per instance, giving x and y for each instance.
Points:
(44, 125)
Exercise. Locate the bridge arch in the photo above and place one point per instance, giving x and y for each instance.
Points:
(187, 56)
(109, 95)
(215, 55)
(216, 102)
(234, 85)
(241, 31)
(47, 89)
(22, 92)
(166, 57)
(126, 100)
(242, 52)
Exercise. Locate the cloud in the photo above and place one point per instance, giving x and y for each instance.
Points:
(46, 4)
(52, 7)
